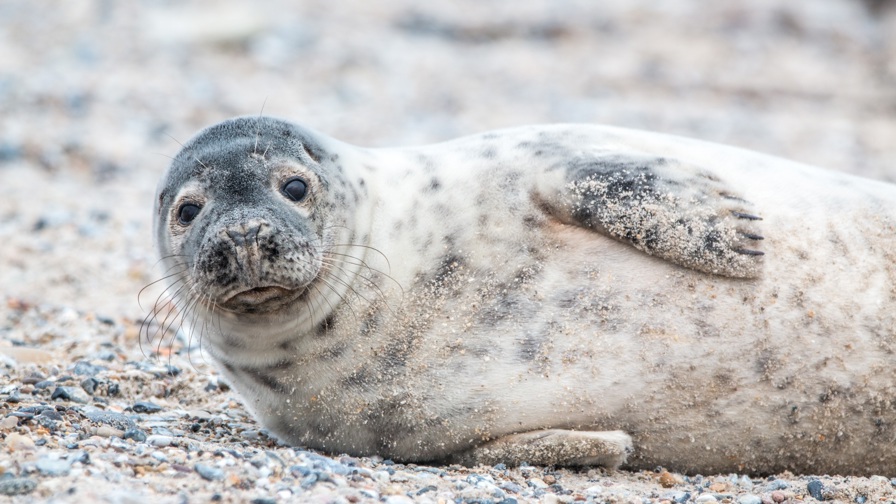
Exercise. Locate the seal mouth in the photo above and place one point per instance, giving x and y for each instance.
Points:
(260, 299)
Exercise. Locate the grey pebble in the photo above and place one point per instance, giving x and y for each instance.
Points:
(75, 394)
(777, 485)
(53, 467)
(208, 472)
(117, 420)
(159, 440)
(89, 385)
(815, 488)
(135, 434)
(79, 456)
(510, 487)
(17, 486)
(85, 368)
(681, 497)
(749, 499)
(146, 407)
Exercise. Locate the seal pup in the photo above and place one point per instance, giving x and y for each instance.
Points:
(568, 294)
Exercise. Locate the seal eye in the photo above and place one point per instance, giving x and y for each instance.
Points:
(295, 189)
(187, 212)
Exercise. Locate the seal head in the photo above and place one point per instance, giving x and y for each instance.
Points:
(242, 219)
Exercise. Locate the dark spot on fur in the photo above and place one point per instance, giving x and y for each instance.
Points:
(333, 352)
(326, 324)
(370, 323)
(531, 221)
(447, 269)
(359, 378)
(530, 348)
(434, 185)
(267, 375)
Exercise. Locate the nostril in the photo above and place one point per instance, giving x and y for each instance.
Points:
(246, 234)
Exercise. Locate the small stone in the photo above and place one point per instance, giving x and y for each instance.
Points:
(107, 431)
(53, 467)
(25, 355)
(815, 488)
(537, 483)
(84, 368)
(89, 385)
(75, 394)
(681, 497)
(111, 418)
(706, 499)
(146, 407)
(263, 500)
(208, 472)
(777, 485)
(159, 440)
(79, 456)
(9, 423)
(594, 491)
(778, 496)
(17, 486)
(749, 499)
(399, 499)
(18, 442)
(668, 480)
(135, 434)
(511, 487)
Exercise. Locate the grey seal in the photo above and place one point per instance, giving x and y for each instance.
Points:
(564, 294)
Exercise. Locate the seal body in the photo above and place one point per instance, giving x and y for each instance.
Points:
(562, 294)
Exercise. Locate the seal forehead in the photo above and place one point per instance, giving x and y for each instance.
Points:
(233, 156)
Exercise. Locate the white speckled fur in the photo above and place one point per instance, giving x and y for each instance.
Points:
(537, 323)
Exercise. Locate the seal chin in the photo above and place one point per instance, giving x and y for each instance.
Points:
(262, 299)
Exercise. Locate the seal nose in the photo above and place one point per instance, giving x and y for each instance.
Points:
(246, 234)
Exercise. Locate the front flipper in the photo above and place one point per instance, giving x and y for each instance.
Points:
(552, 447)
(665, 208)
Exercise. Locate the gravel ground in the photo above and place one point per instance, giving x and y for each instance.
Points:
(95, 95)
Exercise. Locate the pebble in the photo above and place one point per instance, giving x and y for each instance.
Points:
(19, 442)
(53, 467)
(815, 488)
(537, 483)
(84, 368)
(777, 485)
(146, 407)
(668, 480)
(135, 434)
(75, 394)
(9, 423)
(706, 499)
(749, 499)
(117, 420)
(159, 440)
(399, 499)
(17, 486)
(208, 472)
(107, 431)
(594, 491)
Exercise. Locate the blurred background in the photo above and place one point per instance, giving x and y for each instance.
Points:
(95, 95)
